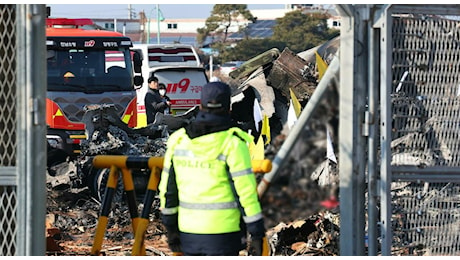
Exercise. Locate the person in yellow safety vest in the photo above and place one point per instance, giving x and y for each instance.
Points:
(208, 191)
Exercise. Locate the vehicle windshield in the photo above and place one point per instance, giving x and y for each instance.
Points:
(229, 65)
(232, 64)
(94, 70)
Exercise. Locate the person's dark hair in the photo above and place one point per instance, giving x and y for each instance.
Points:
(152, 78)
(161, 86)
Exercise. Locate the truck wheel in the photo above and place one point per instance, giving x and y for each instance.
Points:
(99, 184)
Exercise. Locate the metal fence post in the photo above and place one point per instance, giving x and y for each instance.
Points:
(31, 134)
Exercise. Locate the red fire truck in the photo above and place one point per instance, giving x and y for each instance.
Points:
(85, 66)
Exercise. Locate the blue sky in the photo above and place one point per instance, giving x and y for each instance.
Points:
(121, 10)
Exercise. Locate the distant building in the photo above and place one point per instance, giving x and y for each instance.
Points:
(171, 30)
(129, 27)
(185, 30)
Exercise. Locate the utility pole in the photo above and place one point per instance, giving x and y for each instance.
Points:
(130, 12)
(148, 30)
(158, 23)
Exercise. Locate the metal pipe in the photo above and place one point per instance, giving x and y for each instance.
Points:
(331, 74)
(105, 211)
(28, 50)
(211, 65)
(158, 23)
(137, 162)
(385, 82)
(371, 121)
(148, 30)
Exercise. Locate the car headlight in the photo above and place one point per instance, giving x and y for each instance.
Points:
(55, 141)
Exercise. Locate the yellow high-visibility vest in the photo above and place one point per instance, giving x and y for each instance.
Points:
(203, 166)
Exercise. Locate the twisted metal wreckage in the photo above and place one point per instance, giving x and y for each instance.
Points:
(271, 77)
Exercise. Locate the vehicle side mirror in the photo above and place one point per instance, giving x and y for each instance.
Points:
(138, 81)
(137, 62)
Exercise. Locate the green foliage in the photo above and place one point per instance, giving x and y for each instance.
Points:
(201, 36)
(296, 31)
(303, 31)
(221, 19)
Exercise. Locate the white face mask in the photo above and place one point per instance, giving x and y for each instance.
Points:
(162, 92)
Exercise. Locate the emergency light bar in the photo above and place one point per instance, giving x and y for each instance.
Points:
(66, 22)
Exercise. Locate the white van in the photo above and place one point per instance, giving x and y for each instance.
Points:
(156, 55)
(178, 66)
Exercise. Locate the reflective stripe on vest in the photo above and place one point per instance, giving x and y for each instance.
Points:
(185, 153)
(252, 218)
(206, 206)
(241, 173)
(188, 153)
(204, 161)
(169, 211)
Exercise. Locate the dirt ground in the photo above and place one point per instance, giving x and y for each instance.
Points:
(296, 222)
(299, 217)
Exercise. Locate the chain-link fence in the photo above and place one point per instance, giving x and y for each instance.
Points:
(425, 143)
(8, 195)
(400, 113)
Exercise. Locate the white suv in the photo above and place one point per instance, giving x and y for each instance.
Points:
(230, 66)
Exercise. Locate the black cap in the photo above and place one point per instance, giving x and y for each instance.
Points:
(216, 95)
